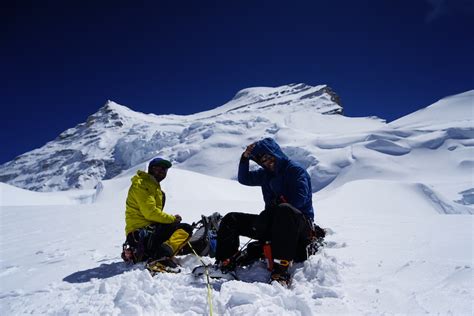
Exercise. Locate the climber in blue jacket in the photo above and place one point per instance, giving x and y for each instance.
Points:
(288, 218)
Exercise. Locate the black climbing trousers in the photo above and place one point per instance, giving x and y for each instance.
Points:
(150, 238)
(284, 226)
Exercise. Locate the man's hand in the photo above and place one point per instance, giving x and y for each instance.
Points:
(177, 218)
(248, 151)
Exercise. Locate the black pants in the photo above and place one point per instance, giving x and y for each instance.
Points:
(151, 237)
(284, 226)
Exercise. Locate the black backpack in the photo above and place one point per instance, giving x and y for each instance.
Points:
(204, 238)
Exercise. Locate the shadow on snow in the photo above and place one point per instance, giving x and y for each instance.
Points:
(104, 271)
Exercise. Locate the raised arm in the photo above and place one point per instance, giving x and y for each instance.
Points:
(247, 177)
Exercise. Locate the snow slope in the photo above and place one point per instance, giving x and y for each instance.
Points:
(455, 111)
(396, 198)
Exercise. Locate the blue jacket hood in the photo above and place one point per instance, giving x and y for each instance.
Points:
(289, 183)
(269, 146)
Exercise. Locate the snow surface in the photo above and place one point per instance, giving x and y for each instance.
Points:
(397, 200)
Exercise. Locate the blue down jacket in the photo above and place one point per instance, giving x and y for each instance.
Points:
(289, 183)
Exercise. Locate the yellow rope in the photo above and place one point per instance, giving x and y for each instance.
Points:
(209, 290)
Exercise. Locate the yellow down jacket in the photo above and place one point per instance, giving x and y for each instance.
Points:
(145, 203)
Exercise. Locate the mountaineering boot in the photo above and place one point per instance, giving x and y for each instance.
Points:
(163, 264)
(162, 261)
(280, 272)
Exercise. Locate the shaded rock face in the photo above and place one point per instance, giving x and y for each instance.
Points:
(116, 138)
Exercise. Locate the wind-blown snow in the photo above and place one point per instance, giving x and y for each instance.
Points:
(397, 200)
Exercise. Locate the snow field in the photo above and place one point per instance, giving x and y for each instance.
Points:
(397, 200)
(384, 255)
(414, 258)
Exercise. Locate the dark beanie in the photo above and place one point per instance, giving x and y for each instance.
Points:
(159, 162)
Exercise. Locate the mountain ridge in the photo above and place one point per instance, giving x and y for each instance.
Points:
(115, 137)
(330, 147)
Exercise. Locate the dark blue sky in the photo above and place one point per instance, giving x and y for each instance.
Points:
(61, 60)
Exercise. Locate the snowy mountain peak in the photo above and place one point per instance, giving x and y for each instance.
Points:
(116, 138)
(115, 106)
(111, 114)
(321, 99)
(114, 110)
(262, 93)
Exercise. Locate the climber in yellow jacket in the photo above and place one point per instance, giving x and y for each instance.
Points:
(151, 233)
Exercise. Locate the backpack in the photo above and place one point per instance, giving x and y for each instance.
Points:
(204, 238)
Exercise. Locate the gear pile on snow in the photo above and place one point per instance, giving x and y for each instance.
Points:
(204, 238)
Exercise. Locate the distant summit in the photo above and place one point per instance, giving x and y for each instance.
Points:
(322, 97)
(116, 138)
